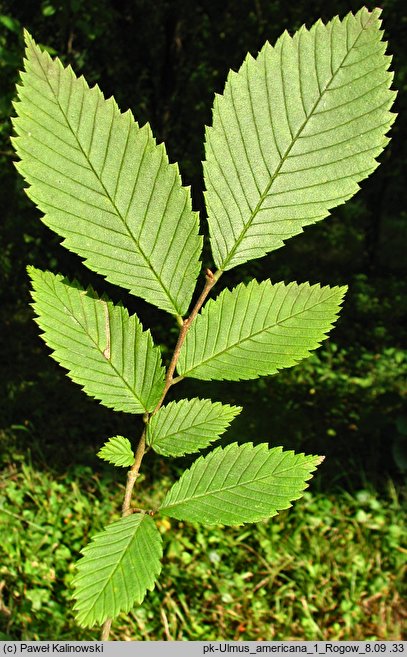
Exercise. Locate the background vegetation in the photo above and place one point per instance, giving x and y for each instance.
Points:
(331, 567)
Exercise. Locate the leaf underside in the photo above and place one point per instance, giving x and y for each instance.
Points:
(118, 567)
(294, 132)
(257, 329)
(104, 350)
(117, 450)
(104, 185)
(239, 484)
(189, 425)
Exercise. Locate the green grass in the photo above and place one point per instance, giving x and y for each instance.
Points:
(330, 568)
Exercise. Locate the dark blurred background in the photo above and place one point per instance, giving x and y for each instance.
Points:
(165, 60)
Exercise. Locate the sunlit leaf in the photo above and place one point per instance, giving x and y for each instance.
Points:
(119, 566)
(241, 483)
(188, 425)
(117, 451)
(257, 329)
(104, 350)
(293, 134)
(104, 185)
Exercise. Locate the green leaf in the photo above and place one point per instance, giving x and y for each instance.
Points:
(104, 350)
(118, 567)
(294, 132)
(258, 329)
(117, 450)
(104, 185)
(238, 484)
(188, 425)
(10, 23)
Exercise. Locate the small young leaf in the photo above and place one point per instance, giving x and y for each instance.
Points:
(104, 184)
(117, 450)
(104, 350)
(294, 132)
(257, 329)
(118, 567)
(188, 425)
(239, 484)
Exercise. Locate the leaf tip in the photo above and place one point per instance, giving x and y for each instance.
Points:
(27, 37)
(31, 270)
(342, 290)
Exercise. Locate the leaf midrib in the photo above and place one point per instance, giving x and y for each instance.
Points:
(285, 156)
(118, 213)
(252, 335)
